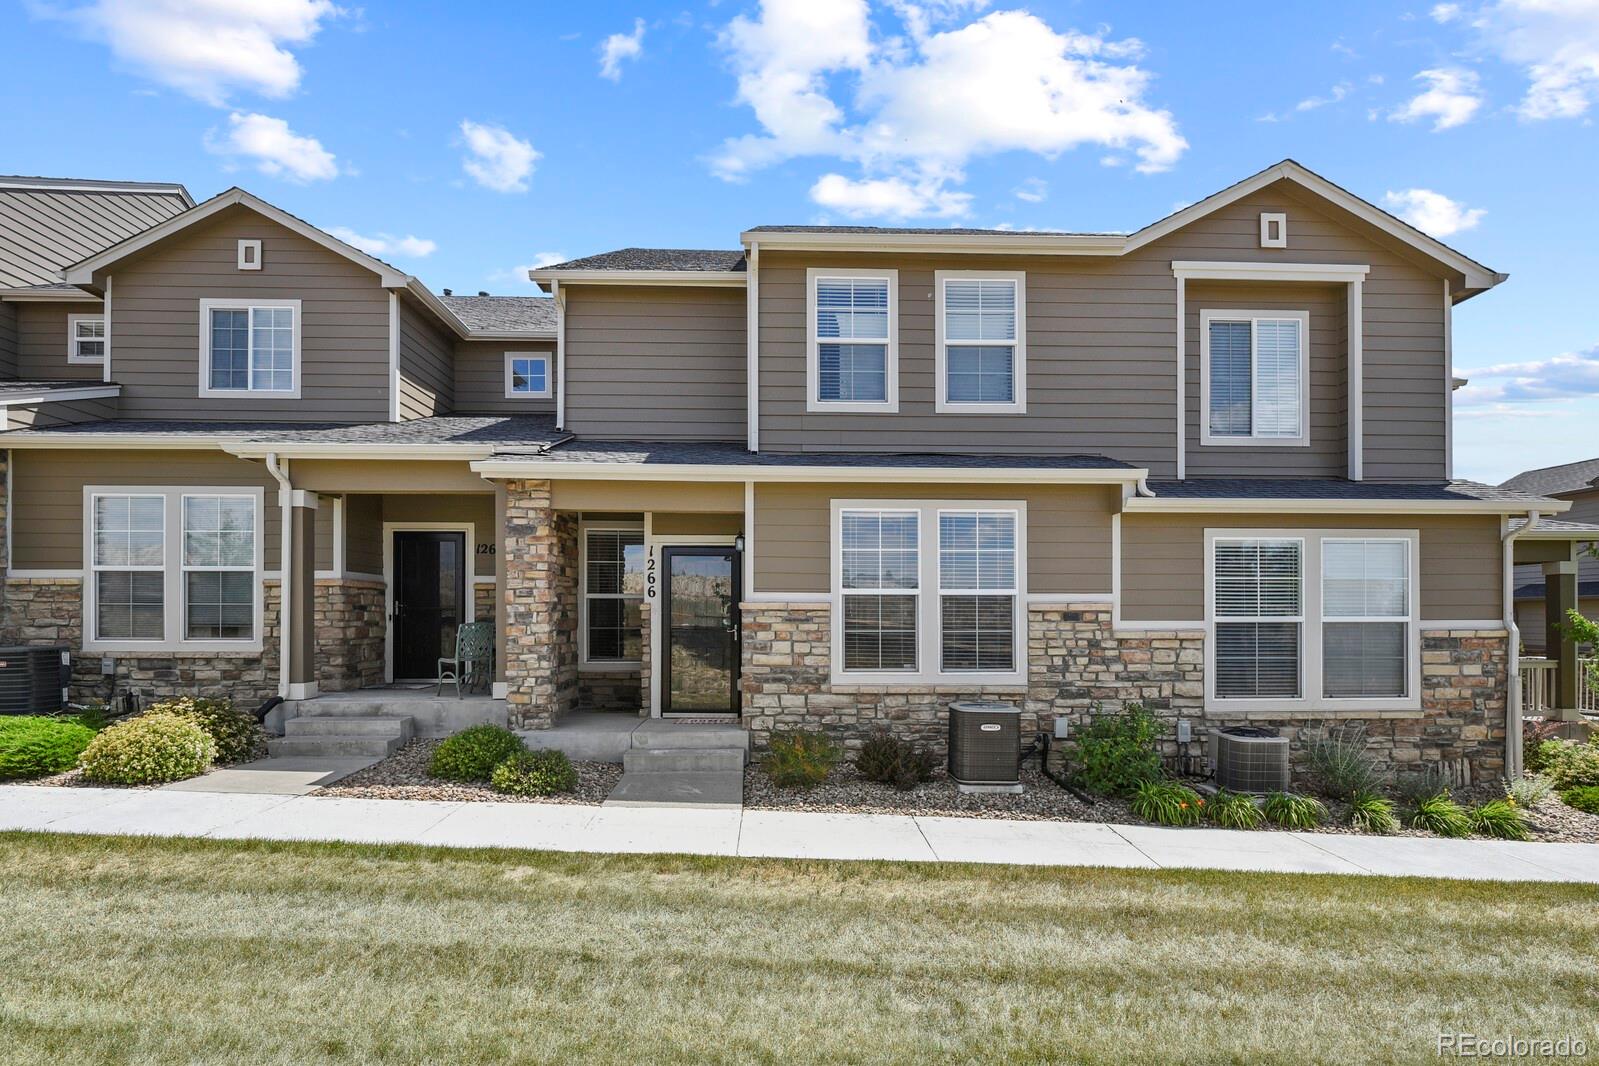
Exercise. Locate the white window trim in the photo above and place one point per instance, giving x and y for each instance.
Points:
(174, 600)
(548, 390)
(1209, 315)
(72, 340)
(928, 617)
(1268, 220)
(813, 400)
(208, 305)
(942, 403)
(603, 665)
(250, 254)
(1310, 630)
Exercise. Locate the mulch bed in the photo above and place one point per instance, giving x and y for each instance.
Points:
(404, 775)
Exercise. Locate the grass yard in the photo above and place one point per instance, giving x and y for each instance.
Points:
(149, 951)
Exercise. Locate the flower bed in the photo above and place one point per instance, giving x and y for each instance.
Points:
(404, 775)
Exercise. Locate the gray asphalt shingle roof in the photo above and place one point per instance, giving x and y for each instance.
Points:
(1567, 477)
(935, 231)
(517, 431)
(1331, 489)
(503, 314)
(694, 453)
(658, 259)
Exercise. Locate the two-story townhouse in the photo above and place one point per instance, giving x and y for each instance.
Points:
(832, 478)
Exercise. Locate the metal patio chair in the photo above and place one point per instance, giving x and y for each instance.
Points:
(473, 660)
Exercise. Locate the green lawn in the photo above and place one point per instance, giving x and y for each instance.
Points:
(143, 951)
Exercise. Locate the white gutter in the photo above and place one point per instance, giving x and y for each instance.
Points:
(86, 392)
(742, 472)
(286, 500)
(547, 279)
(1513, 752)
(1312, 505)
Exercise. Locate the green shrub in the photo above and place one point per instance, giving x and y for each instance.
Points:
(148, 750)
(1585, 798)
(1167, 803)
(1569, 764)
(1340, 764)
(800, 759)
(35, 745)
(1421, 784)
(473, 753)
(1233, 810)
(1292, 811)
(1115, 753)
(1528, 790)
(1372, 813)
(1500, 818)
(891, 761)
(93, 716)
(238, 737)
(534, 773)
(1442, 815)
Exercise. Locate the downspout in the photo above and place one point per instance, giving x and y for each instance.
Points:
(1513, 752)
(285, 553)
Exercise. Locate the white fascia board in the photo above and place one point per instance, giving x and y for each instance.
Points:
(1540, 533)
(306, 450)
(716, 278)
(88, 392)
(546, 336)
(73, 296)
(962, 243)
(1255, 505)
(1193, 270)
(511, 468)
(30, 438)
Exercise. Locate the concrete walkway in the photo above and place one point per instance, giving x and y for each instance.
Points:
(781, 834)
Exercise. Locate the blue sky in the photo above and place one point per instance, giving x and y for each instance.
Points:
(465, 142)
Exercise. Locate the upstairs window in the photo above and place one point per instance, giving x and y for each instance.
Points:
(86, 339)
(250, 347)
(981, 346)
(853, 341)
(527, 376)
(1254, 370)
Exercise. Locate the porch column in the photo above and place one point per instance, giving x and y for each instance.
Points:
(541, 606)
(1560, 596)
(502, 549)
(299, 578)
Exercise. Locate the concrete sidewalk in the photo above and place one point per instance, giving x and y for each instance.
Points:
(779, 834)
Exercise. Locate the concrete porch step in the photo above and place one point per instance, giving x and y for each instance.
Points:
(657, 733)
(329, 745)
(372, 725)
(705, 789)
(682, 760)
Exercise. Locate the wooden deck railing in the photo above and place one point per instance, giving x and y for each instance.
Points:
(1539, 690)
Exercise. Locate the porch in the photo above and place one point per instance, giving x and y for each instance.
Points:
(1557, 684)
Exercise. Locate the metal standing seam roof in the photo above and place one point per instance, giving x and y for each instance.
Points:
(1567, 477)
(48, 223)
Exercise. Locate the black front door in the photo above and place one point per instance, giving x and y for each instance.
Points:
(429, 600)
(700, 671)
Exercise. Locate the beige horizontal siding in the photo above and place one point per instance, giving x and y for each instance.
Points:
(42, 342)
(1068, 532)
(449, 509)
(655, 363)
(363, 533)
(427, 374)
(156, 324)
(1163, 560)
(480, 378)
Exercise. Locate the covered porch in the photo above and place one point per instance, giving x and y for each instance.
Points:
(1557, 684)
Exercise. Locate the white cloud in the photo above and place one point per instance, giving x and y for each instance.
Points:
(894, 198)
(274, 149)
(517, 275)
(1556, 43)
(912, 112)
(381, 244)
(1569, 376)
(1432, 212)
(1334, 95)
(1444, 13)
(497, 158)
(1033, 190)
(1451, 98)
(208, 48)
(618, 47)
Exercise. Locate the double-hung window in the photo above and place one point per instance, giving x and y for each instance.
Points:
(527, 376)
(1366, 616)
(981, 347)
(852, 340)
(250, 346)
(219, 567)
(1254, 371)
(86, 339)
(128, 546)
(929, 592)
(1259, 615)
(613, 595)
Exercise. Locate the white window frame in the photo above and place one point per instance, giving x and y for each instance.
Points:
(247, 303)
(1255, 439)
(600, 666)
(1410, 619)
(942, 403)
(1018, 598)
(73, 355)
(813, 400)
(1311, 698)
(185, 569)
(928, 592)
(549, 385)
(174, 595)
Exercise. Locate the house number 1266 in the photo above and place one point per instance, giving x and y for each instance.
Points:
(649, 577)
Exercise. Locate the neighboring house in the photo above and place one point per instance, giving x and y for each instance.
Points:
(833, 477)
(1577, 483)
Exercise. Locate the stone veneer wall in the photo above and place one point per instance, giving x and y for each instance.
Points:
(1078, 663)
(609, 690)
(541, 582)
(350, 633)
